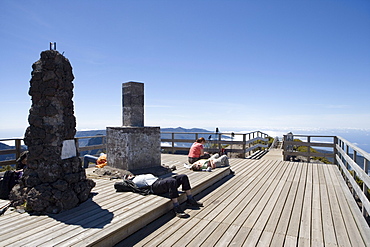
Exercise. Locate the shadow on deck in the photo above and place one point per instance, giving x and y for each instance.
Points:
(105, 219)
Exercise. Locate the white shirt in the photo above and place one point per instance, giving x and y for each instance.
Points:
(144, 180)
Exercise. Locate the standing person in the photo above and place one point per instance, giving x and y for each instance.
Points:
(196, 151)
(167, 185)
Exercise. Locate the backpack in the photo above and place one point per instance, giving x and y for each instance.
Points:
(7, 183)
(129, 186)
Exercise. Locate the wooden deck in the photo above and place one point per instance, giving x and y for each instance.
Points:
(266, 203)
(104, 220)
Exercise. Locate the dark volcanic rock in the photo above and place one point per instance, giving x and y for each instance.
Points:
(51, 182)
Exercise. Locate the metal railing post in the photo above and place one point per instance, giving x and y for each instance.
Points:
(364, 187)
(335, 151)
(309, 149)
(17, 148)
(173, 143)
(347, 152)
(244, 146)
(219, 143)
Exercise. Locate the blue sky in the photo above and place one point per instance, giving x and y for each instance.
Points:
(236, 65)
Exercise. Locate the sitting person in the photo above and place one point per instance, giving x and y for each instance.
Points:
(167, 185)
(196, 151)
(11, 177)
(21, 161)
(208, 164)
(100, 161)
(21, 164)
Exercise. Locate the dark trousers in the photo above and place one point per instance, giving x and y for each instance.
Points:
(193, 160)
(171, 184)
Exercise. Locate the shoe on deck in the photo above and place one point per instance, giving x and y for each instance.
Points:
(194, 203)
(180, 213)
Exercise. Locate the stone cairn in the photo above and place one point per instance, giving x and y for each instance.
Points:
(54, 179)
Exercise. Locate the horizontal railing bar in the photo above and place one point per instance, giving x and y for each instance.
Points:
(86, 137)
(363, 153)
(177, 140)
(311, 144)
(10, 139)
(212, 133)
(8, 151)
(314, 136)
(305, 154)
(175, 148)
(92, 147)
(7, 162)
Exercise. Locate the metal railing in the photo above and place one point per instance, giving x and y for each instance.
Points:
(15, 152)
(241, 143)
(215, 142)
(274, 143)
(343, 158)
(353, 162)
(342, 153)
(290, 145)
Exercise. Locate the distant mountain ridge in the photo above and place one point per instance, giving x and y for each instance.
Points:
(83, 133)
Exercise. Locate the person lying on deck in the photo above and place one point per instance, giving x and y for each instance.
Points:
(167, 185)
(208, 164)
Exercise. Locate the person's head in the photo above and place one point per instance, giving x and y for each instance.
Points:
(201, 140)
(23, 158)
(196, 167)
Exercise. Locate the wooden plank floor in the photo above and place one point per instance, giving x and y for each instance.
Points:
(266, 203)
(105, 219)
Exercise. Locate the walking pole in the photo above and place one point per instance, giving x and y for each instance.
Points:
(4, 208)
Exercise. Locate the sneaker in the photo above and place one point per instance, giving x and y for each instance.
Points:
(180, 213)
(193, 202)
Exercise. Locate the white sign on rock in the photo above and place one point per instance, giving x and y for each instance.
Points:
(68, 149)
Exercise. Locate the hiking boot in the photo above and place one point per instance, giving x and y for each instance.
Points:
(193, 202)
(180, 213)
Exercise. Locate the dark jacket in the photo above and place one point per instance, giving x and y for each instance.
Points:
(129, 186)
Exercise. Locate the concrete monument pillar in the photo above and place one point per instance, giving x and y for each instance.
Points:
(133, 146)
(133, 104)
